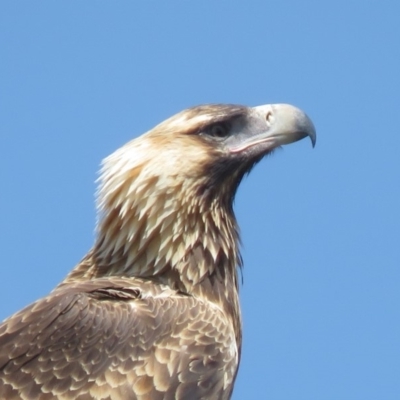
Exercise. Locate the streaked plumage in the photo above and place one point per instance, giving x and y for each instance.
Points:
(152, 311)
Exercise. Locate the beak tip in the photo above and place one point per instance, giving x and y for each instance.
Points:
(313, 136)
(307, 127)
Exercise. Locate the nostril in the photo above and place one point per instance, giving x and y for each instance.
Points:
(269, 118)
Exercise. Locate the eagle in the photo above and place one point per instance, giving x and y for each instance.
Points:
(152, 311)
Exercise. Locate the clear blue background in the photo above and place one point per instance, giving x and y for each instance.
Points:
(320, 227)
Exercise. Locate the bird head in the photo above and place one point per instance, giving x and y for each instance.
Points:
(205, 149)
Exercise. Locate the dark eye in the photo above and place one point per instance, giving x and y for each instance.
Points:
(218, 131)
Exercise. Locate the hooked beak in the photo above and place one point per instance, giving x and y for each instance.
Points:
(270, 126)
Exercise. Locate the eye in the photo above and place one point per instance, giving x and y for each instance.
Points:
(218, 131)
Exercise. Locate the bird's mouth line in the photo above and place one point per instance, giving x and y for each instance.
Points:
(271, 141)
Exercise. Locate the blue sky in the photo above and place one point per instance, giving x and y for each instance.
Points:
(320, 227)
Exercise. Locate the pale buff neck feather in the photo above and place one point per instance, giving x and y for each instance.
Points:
(158, 226)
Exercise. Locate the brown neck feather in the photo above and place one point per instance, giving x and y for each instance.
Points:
(190, 245)
(157, 222)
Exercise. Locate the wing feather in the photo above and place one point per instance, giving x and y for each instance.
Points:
(116, 338)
